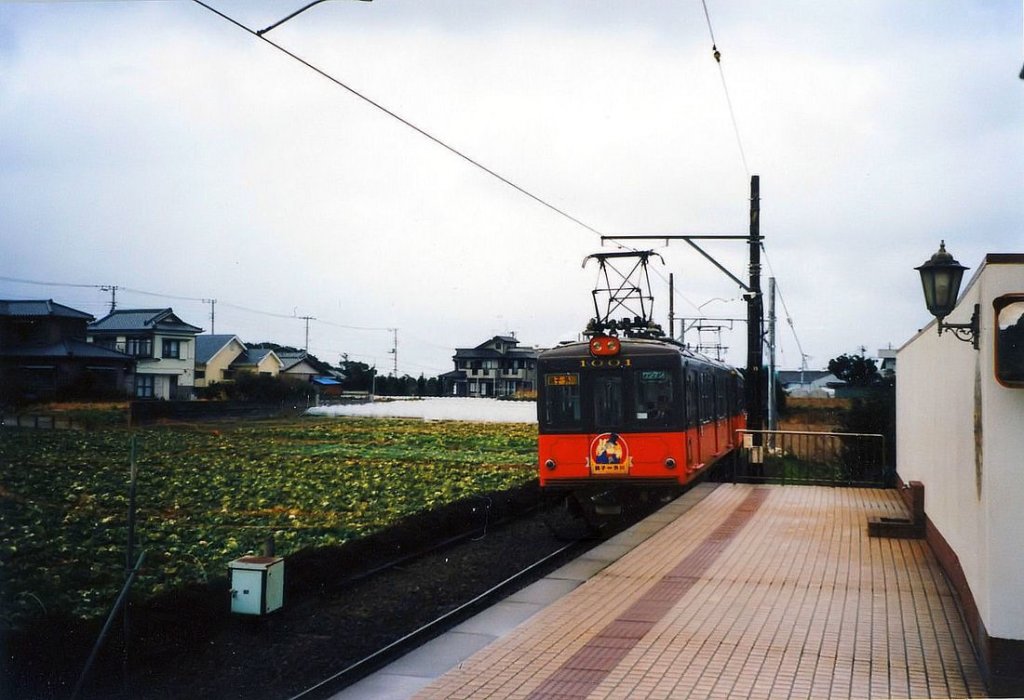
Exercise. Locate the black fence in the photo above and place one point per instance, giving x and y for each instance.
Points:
(796, 457)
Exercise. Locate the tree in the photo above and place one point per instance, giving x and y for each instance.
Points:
(358, 375)
(855, 370)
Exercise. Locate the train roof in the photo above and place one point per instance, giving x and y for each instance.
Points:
(634, 347)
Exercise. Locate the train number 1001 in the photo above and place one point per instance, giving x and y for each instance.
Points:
(597, 363)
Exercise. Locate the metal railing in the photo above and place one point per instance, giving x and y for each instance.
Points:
(803, 457)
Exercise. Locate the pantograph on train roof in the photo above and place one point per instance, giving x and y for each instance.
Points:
(623, 300)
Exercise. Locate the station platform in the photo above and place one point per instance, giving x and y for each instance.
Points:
(732, 590)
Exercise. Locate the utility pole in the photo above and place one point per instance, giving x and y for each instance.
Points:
(212, 303)
(307, 319)
(754, 380)
(394, 350)
(755, 317)
(773, 417)
(113, 295)
(671, 306)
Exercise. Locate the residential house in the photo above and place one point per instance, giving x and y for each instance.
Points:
(258, 361)
(803, 383)
(301, 365)
(497, 367)
(887, 362)
(219, 358)
(44, 354)
(163, 347)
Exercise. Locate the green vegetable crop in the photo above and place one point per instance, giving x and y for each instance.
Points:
(208, 496)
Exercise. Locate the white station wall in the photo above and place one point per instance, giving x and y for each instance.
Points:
(961, 434)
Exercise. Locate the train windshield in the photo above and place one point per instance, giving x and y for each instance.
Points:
(607, 391)
(561, 404)
(645, 398)
(654, 397)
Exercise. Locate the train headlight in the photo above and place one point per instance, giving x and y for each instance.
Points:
(670, 463)
(550, 464)
(605, 346)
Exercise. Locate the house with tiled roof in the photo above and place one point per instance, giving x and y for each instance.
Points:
(44, 355)
(219, 358)
(162, 344)
(301, 365)
(803, 383)
(497, 367)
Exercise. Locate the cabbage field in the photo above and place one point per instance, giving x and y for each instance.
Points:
(206, 496)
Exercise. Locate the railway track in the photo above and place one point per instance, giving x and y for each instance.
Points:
(569, 538)
(380, 658)
(354, 615)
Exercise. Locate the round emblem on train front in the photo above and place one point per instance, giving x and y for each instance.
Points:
(609, 454)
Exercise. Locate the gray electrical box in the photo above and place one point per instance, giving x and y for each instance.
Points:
(257, 585)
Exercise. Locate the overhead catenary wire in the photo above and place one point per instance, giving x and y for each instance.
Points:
(785, 309)
(725, 88)
(403, 120)
(450, 148)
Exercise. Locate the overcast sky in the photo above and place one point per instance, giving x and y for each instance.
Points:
(157, 147)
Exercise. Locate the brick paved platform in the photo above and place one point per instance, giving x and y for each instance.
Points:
(755, 592)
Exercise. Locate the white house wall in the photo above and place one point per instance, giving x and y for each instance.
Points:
(973, 496)
(1002, 410)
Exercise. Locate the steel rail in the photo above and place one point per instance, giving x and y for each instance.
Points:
(377, 659)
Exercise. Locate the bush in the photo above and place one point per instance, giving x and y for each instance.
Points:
(258, 388)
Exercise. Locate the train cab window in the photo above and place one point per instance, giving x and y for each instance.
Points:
(607, 392)
(1010, 340)
(654, 397)
(562, 400)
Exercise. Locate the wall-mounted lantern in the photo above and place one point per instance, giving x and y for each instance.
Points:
(940, 278)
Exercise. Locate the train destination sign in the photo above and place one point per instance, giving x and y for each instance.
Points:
(567, 379)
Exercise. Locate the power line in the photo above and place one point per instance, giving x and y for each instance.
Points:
(401, 119)
(143, 292)
(725, 88)
(50, 284)
(789, 317)
(352, 328)
(675, 289)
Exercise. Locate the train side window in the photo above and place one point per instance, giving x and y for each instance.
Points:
(562, 400)
(707, 404)
(1010, 340)
(607, 391)
(654, 397)
(692, 403)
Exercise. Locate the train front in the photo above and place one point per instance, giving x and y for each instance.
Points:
(611, 412)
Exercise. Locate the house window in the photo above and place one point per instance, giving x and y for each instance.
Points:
(200, 374)
(171, 349)
(144, 386)
(139, 347)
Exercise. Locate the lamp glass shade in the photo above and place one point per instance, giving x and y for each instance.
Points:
(940, 279)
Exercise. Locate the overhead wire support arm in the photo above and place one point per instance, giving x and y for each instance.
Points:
(261, 32)
(690, 240)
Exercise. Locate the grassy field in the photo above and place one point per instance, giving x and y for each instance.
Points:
(207, 495)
